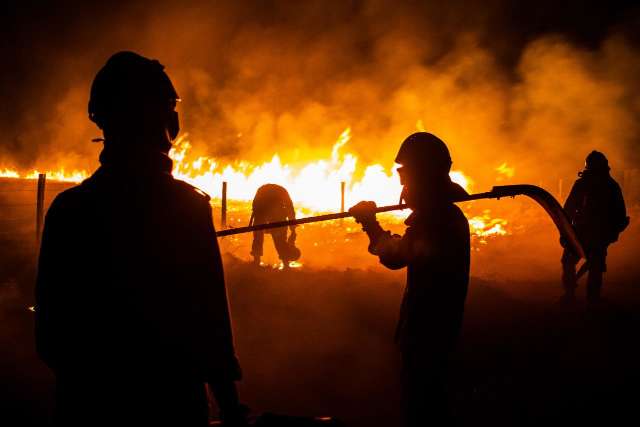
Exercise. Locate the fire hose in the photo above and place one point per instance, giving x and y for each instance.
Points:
(539, 195)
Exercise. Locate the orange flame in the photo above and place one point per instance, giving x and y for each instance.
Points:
(9, 173)
(484, 226)
(314, 186)
(505, 171)
(60, 175)
(56, 175)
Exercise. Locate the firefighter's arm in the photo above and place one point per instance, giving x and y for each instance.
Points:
(291, 214)
(217, 318)
(571, 206)
(222, 369)
(232, 412)
(620, 210)
(46, 292)
(394, 251)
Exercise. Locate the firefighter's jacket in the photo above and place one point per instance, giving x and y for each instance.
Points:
(436, 251)
(596, 208)
(130, 280)
(272, 203)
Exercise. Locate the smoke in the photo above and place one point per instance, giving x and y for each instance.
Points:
(532, 88)
(261, 78)
(534, 85)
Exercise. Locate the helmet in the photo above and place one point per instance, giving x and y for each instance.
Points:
(596, 161)
(132, 87)
(424, 151)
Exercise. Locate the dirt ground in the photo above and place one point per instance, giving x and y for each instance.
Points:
(319, 342)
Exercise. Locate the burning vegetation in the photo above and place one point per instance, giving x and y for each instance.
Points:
(312, 106)
(284, 92)
(314, 187)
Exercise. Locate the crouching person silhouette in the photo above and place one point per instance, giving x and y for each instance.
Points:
(272, 203)
(131, 305)
(435, 249)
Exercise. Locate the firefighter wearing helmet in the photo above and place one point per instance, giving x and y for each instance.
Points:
(597, 210)
(435, 249)
(131, 304)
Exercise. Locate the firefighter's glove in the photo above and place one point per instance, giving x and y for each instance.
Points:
(563, 242)
(364, 213)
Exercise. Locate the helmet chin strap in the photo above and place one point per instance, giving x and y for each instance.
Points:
(402, 194)
(173, 125)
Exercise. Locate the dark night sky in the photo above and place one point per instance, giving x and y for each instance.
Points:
(42, 38)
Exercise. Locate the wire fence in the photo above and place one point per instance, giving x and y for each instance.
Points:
(23, 203)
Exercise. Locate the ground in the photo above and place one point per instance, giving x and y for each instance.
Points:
(319, 342)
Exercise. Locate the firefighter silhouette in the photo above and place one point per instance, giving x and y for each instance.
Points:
(597, 210)
(272, 203)
(435, 249)
(131, 304)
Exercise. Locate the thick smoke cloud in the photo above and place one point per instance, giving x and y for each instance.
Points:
(533, 85)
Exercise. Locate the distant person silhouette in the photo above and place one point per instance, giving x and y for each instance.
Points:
(436, 251)
(131, 305)
(597, 210)
(272, 203)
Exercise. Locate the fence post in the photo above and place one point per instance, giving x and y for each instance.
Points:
(223, 214)
(342, 185)
(42, 179)
(560, 190)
